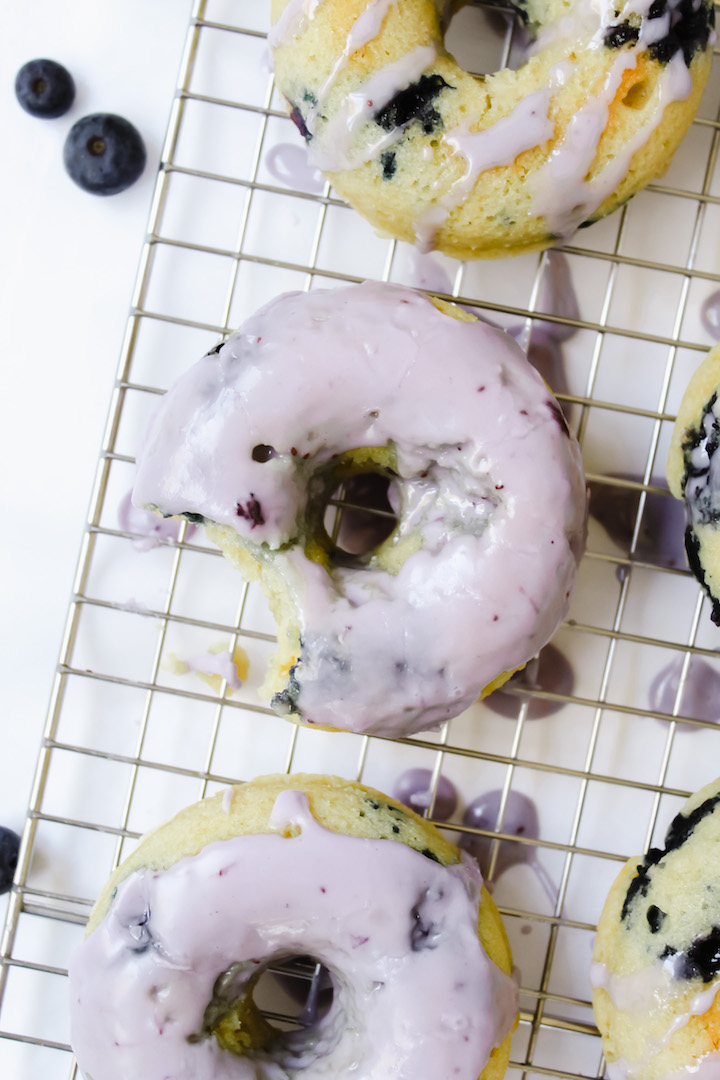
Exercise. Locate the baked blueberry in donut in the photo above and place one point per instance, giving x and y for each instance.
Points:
(494, 164)
(394, 622)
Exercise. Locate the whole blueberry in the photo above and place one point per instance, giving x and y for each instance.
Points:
(44, 88)
(104, 154)
(9, 847)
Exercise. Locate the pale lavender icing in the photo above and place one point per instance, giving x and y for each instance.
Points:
(364, 29)
(290, 166)
(293, 20)
(336, 147)
(561, 194)
(488, 478)
(150, 528)
(209, 663)
(654, 987)
(415, 995)
(710, 315)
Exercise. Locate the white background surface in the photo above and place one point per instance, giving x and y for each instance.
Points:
(67, 266)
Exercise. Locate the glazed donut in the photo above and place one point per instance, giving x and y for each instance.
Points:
(161, 987)
(693, 474)
(495, 164)
(656, 964)
(485, 480)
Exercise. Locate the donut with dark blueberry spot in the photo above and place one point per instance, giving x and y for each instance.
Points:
(294, 868)
(488, 165)
(656, 964)
(694, 474)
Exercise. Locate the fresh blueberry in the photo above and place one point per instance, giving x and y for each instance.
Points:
(9, 847)
(44, 88)
(104, 154)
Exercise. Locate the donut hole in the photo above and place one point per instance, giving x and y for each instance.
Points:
(358, 517)
(276, 1011)
(297, 992)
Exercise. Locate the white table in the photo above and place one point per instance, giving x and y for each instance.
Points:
(67, 266)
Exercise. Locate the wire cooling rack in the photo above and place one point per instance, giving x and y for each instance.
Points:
(129, 740)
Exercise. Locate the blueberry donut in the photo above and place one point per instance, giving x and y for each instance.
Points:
(693, 474)
(656, 964)
(161, 987)
(495, 164)
(483, 476)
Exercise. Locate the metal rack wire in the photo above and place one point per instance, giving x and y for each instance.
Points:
(128, 742)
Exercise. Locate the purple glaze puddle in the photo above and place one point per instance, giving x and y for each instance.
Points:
(710, 315)
(413, 788)
(520, 819)
(556, 296)
(542, 342)
(150, 527)
(550, 671)
(662, 532)
(288, 164)
(701, 692)
(427, 274)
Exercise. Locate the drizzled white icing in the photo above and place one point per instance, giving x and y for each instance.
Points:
(293, 20)
(488, 479)
(364, 29)
(415, 995)
(527, 126)
(337, 146)
(708, 1068)
(655, 988)
(561, 194)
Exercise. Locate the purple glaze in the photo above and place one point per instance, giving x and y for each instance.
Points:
(427, 274)
(710, 315)
(546, 356)
(289, 165)
(701, 693)
(550, 671)
(557, 296)
(661, 540)
(150, 527)
(413, 788)
(520, 819)
(141, 981)
(543, 346)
